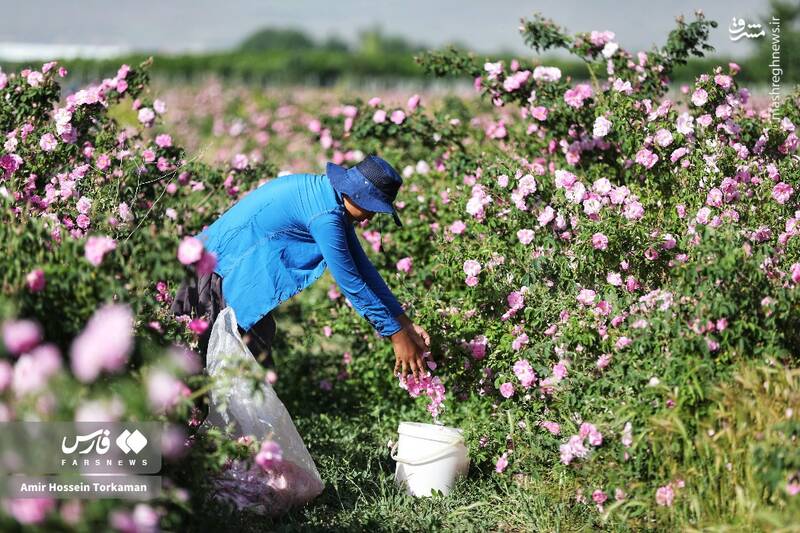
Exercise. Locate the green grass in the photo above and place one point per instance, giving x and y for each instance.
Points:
(351, 454)
(347, 436)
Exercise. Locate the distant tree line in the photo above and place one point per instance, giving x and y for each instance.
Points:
(274, 56)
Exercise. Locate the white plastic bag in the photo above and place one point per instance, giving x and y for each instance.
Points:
(294, 480)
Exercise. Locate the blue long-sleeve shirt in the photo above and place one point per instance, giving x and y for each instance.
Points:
(278, 239)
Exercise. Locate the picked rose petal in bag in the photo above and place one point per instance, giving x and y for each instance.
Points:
(282, 474)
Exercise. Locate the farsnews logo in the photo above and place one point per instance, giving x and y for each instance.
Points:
(131, 442)
(99, 442)
(97, 447)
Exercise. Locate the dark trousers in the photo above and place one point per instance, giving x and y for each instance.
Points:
(201, 296)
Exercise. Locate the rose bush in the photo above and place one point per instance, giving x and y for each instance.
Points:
(624, 252)
(92, 216)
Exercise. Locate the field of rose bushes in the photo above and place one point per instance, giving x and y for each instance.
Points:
(609, 271)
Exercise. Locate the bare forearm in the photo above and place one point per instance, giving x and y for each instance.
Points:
(404, 320)
(402, 334)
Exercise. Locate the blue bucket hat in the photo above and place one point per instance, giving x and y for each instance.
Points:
(372, 184)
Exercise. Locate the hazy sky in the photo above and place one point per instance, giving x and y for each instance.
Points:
(484, 25)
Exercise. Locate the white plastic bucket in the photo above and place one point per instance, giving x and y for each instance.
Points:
(429, 457)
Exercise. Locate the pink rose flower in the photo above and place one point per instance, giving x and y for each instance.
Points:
(586, 296)
(525, 373)
(270, 455)
(546, 74)
(164, 140)
(198, 325)
(82, 221)
(240, 161)
(627, 435)
(685, 124)
(48, 142)
(795, 272)
(599, 497)
(83, 205)
(519, 342)
(723, 80)
(97, 247)
(623, 342)
(458, 227)
(663, 137)
(525, 236)
(30, 510)
(572, 449)
(507, 390)
(781, 192)
(164, 390)
(599, 241)
(601, 127)
(379, 116)
(646, 158)
(631, 284)
(574, 97)
(10, 163)
(405, 265)
(589, 431)
(515, 299)
(190, 250)
(700, 97)
(553, 427)
(539, 113)
(35, 280)
(546, 216)
(665, 495)
(478, 346)
(35, 78)
(104, 344)
(502, 463)
(21, 335)
(103, 161)
(398, 116)
(559, 371)
(472, 267)
(703, 215)
(146, 116)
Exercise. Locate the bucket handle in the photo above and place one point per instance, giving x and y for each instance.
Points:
(441, 452)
